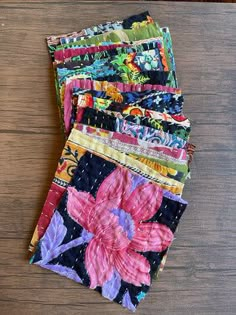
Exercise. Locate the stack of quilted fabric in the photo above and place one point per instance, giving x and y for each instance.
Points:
(115, 201)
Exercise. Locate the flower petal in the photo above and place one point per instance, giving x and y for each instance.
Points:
(143, 202)
(114, 188)
(79, 205)
(133, 267)
(96, 219)
(98, 262)
(151, 237)
(106, 228)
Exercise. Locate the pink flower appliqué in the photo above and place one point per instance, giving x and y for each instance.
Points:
(115, 218)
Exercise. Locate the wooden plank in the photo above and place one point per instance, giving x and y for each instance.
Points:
(200, 274)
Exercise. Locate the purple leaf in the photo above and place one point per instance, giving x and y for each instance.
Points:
(111, 288)
(126, 302)
(56, 251)
(53, 236)
(64, 271)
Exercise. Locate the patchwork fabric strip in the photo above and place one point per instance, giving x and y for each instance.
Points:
(115, 201)
(102, 69)
(145, 103)
(179, 154)
(177, 167)
(154, 100)
(152, 57)
(122, 87)
(90, 116)
(167, 162)
(133, 21)
(168, 127)
(150, 30)
(118, 96)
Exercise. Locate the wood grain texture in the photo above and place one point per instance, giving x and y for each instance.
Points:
(200, 275)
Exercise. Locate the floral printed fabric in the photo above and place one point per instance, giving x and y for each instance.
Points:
(154, 100)
(145, 103)
(148, 31)
(115, 201)
(152, 56)
(148, 121)
(111, 70)
(127, 62)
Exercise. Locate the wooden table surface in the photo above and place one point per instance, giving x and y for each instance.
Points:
(200, 275)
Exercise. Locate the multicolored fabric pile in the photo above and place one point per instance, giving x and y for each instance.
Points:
(115, 201)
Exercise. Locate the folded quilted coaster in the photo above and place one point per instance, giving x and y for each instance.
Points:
(131, 22)
(172, 128)
(74, 149)
(150, 99)
(128, 65)
(117, 96)
(141, 146)
(96, 118)
(144, 103)
(167, 161)
(124, 38)
(149, 30)
(110, 229)
(123, 68)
